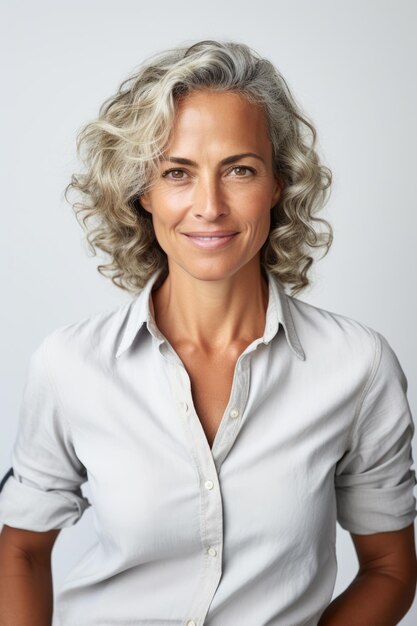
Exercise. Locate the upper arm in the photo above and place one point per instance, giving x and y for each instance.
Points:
(391, 552)
(374, 478)
(34, 545)
(42, 490)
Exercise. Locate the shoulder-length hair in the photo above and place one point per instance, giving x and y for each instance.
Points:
(120, 150)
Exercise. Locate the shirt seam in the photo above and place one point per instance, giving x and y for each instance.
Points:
(376, 361)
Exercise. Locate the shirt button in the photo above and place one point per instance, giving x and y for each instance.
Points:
(234, 413)
(209, 484)
(191, 622)
(212, 551)
(183, 406)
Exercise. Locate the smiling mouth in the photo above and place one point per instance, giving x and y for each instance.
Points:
(211, 242)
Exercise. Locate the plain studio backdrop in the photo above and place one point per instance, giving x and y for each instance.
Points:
(352, 67)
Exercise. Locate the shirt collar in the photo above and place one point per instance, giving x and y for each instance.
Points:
(278, 311)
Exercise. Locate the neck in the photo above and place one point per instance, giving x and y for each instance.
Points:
(212, 315)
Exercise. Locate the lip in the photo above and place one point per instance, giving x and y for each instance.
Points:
(211, 233)
(213, 244)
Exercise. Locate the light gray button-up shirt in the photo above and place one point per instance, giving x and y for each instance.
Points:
(318, 429)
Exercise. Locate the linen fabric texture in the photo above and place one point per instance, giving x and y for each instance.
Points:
(317, 430)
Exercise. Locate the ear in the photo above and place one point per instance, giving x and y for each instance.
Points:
(277, 191)
(145, 202)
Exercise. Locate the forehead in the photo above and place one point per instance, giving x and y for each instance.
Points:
(206, 97)
(208, 115)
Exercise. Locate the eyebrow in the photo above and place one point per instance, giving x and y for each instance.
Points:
(226, 161)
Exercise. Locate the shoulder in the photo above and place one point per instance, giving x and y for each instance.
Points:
(92, 338)
(334, 335)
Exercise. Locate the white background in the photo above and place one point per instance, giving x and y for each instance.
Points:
(351, 65)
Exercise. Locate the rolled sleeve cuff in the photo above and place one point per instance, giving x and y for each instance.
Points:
(24, 506)
(367, 511)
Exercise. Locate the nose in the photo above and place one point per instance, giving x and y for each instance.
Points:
(209, 202)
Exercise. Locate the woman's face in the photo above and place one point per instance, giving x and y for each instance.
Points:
(210, 185)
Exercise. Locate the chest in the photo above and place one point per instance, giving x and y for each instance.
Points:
(211, 384)
(272, 473)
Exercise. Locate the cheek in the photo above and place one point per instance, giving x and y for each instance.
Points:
(258, 217)
(255, 202)
(167, 212)
(164, 218)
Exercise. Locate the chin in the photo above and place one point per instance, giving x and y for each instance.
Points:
(213, 271)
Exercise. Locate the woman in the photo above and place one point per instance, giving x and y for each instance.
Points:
(224, 425)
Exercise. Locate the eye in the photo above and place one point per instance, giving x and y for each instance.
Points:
(173, 171)
(243, 168)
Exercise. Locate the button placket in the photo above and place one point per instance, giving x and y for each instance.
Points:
(213, 542)
(238, 398)
(211, 510)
